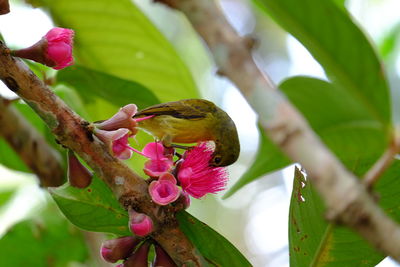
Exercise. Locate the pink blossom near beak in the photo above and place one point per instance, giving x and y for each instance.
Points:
(195, 175)
(121, 119)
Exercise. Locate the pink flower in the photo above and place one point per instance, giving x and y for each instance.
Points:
(139, 223)
(53, 50)
(195, 175)
(159, 162)
(121, 148)
(117, 141)
(164, 190)
(121, 119)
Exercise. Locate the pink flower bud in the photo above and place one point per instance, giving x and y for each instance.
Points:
(119, 248)
(122, 119)
(53, 50)
(139, 258)
(162, 259)
(78, 175)
(59, 47)
(186, 199)
(140, 224)
(165, 190)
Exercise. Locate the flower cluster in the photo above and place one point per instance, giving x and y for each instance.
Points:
(170, 179)
(188, 175)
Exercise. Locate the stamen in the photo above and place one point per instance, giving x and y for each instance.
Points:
(144, 118)
(137, 151)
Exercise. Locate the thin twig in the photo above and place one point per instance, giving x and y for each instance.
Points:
(73, 132)
(347, 200)
(376, 171)
(30, 145)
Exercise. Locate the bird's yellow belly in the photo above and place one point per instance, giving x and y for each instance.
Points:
(178, 130)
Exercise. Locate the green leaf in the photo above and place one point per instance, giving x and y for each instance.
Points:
(389, 43)
(47, 240)
(117, 38)
(340, 3)
(314, 242)
(342, 49)
(89, 83)
(93, 208)
(343, 124)
(269, 158)
(213, 246)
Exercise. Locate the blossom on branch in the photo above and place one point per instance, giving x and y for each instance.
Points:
(53, 50)
(117, 249)
(164, 190)
(121, 119)
(196, 176)
(159, 160)
(139, 223)
(116, 141)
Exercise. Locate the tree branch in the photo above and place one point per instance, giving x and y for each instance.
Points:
(30, 145)
(346, 198)
(73, 132)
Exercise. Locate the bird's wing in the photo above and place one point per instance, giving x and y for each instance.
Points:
(186, 109)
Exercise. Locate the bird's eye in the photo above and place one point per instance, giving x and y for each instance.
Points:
(217, 159)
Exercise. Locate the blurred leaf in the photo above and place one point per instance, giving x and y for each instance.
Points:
(340, 3)
(117, 38)
(269, 158)
(214, 247)
(89, 83)
(93, 208)
(343, 123)
(388, 44)
(5, 195)
(340, 47)
(314, 242)
(10, 159)
(48, 240)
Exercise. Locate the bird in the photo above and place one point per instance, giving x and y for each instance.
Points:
(190, 121)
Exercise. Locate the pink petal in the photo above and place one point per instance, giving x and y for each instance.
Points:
(154, 150)
(155, 168)
(167, 177)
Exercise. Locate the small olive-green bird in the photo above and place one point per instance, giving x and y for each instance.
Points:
(191, 121)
